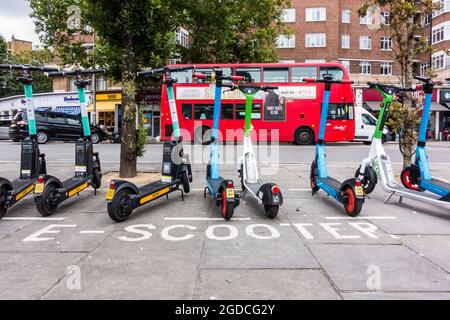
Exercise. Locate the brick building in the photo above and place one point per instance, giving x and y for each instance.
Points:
(326, 30)
(17, 46)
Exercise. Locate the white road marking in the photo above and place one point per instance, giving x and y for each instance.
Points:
(361, 218)
(394, 237)
(306, 189)
(32, 219)
(205, 219)
(92, 232)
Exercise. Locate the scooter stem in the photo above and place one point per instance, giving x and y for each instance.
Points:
(248, 114)
(30, 109)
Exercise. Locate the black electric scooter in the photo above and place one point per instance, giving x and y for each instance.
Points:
(123, 196)
(32, 162)
(50, 191)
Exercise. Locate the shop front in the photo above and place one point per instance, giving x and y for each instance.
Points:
(107, 104)
(149, 104)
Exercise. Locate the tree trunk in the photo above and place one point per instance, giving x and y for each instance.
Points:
(128, 143)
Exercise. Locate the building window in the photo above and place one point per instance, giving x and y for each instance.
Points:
(106, 119)
(385, 18)
(424, 67)
(367, 19)
(386, 43)
(345, 41)
(386, 68)
(175, 61)
(365, 43)
(288, 15)
(315, 61)
(346, 64)
(438, 34)
(285, 41)
(101, 83)
(286, 61)
(316, 14)
(425, 20)
(438, 60)
(316, 40)
(182, 37)
(346, 16)
(441, 9)
(365, 67)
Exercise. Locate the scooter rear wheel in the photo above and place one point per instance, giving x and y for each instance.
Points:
(3, 198)
(226, 208)
(47, 204)
(271, 211)
(353, 205)
(117, 210)
(185, 182)
(408, 180)
(312, 177)
(97, 179)
(370, 179)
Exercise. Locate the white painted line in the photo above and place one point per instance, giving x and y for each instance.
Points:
(361, 218)
(285, 224)
(32, 219)
(92, 232)
(205, 219)
(300, 189)
(394, 237)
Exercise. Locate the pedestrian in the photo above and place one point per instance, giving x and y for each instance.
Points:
(445, 135)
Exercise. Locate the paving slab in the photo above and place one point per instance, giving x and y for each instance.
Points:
(264, 285)
(435, 248)
(379, 267)
(30, 275)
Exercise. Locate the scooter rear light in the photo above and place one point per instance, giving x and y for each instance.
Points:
(230, 184)
(40, 179)
(112, 185)
(358, 183)
(275, 189)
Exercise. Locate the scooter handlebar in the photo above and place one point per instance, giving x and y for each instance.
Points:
(76, 72)
(27, 67)
(152, 72)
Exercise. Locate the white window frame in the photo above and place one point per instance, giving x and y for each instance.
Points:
(383, 16)
(316, 40)
(346, 16)
(424, 67)
(367, 40)
(316, 14)
(386, 66)
(182, 37)
(367, 19)
(438, 60)
(345, 41)
(289, 15)
(346, 64)
(386, 43)
(365, 68)
(285, 41)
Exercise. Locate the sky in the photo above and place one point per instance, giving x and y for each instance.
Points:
(15, 20)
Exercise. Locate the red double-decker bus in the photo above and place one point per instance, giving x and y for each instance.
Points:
(294, 117)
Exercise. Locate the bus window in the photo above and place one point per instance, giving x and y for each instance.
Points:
(203, 111)
(183, 76)
(226, 72)
(340, 111)
(276, 75)
(299, 73)
(336, 72)
(256, 111)
(186, 110)
(250, 74)
(227, 111)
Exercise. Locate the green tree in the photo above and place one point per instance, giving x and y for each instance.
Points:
(3, 49)
(404, 27)
(131, 34)
(233, 31)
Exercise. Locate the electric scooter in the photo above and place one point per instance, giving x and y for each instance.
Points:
(418, 176)
(123, 196)
(350, 193)
(221, 189)
(32, 162)
(380, 162)
(50, 191)
(267, 194)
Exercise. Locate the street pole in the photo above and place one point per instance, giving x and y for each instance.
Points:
(94, 88)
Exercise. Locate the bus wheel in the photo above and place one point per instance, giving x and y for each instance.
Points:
(304, 136)
(202, 135)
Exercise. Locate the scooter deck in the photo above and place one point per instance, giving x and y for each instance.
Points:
(402, 189)
(253, 187)
(21, 184)
(215, 183)
(439, 183)
(333, 183)
(155, 186)
(73, 183)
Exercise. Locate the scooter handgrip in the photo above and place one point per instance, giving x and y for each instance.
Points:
(199, 76)
(347, 82)
(371, 84)
(422, 79)
(237, 78)
(175, 69)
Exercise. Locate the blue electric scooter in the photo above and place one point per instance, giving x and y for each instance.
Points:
(221, 189)
(417, 176)
(350, 192)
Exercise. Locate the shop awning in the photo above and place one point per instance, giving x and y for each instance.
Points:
(104, 106)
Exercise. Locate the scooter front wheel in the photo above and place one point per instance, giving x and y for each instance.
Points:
(47, 203)
(226, 208)
(271, 211)
(118, 209)
(3, 198)
(369, 180)
(352, 205)
(409, 179)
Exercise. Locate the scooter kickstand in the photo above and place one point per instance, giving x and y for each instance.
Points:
(204, 192)
(182, 194)
(389, 197)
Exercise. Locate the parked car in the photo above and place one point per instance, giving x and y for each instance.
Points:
(53, 125)
(365, 125)
(4, 128)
